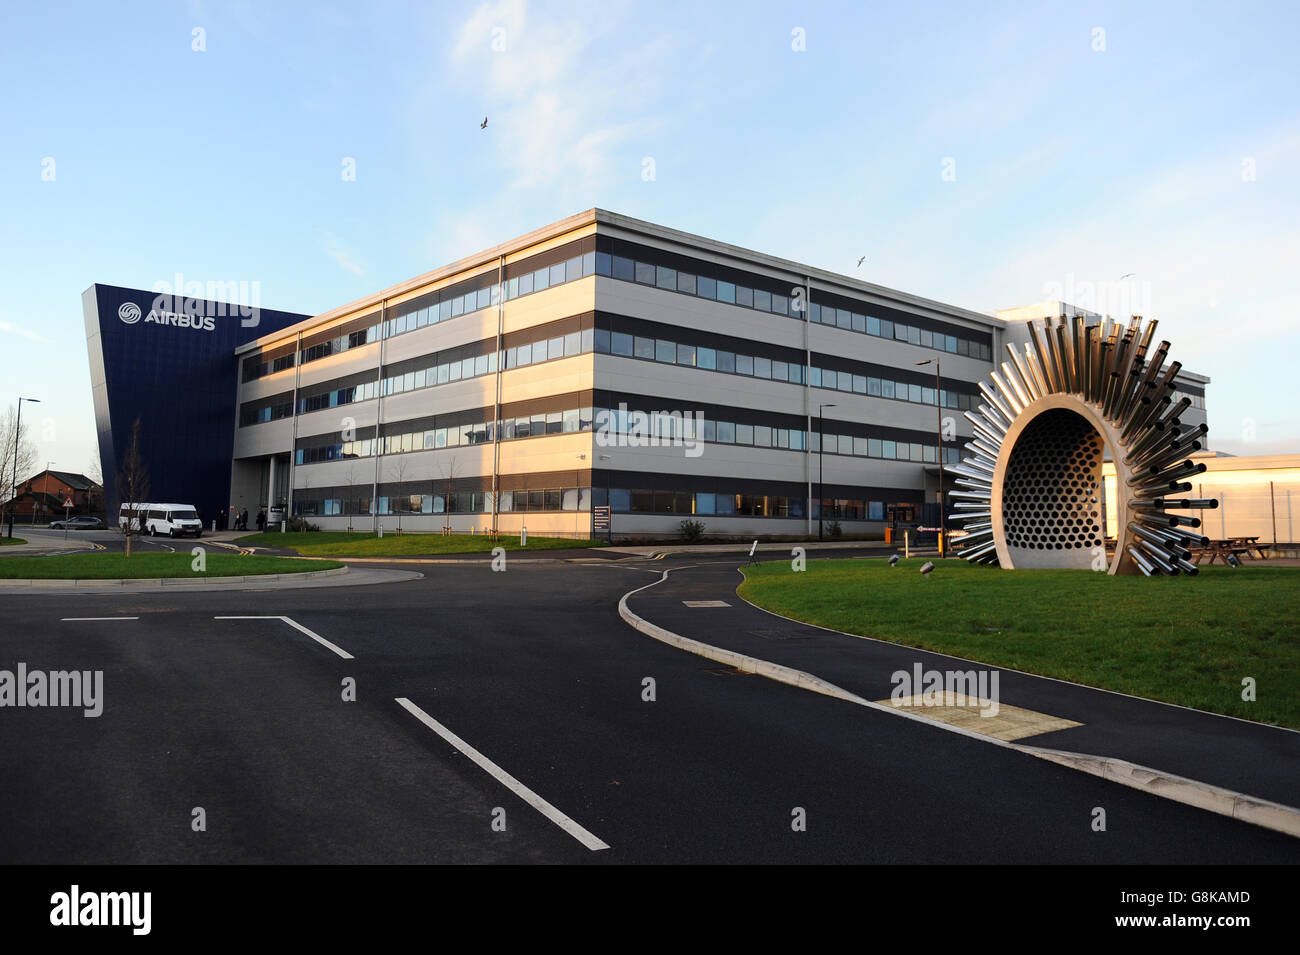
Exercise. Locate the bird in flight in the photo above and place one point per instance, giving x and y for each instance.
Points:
(483, 125)
(861, 260)
(1127, 275)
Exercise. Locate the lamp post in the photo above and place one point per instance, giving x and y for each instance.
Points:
(821, 472)
(18, 437)
(938, 414)
(609, 503)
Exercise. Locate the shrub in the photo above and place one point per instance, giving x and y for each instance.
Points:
(300, 524)
(692, 531)
(834, 529)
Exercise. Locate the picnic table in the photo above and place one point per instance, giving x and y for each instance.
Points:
(1231, 546)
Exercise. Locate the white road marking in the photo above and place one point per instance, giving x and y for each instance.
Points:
(706, 603)
(75, 619)
(299, 627)
(515, 786)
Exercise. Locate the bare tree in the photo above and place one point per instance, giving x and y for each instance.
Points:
(400, 471)
(351, 499)
(133, 487)
(450, 472)
(96, 501)
(26, 455)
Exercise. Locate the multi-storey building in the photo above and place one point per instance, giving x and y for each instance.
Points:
(607, 361)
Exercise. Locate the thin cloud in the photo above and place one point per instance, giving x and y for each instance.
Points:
(21, 332)
(347, 259)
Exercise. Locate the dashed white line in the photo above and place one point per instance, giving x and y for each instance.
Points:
(75, 619)
(500, 775)
(299, 627)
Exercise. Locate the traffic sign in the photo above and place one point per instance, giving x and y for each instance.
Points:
(67, 502)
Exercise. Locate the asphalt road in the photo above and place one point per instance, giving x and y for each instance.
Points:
(535, 671)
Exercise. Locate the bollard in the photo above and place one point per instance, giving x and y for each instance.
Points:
(907, 544)
(523, 535)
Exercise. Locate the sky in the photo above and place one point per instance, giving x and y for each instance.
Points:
(984, 155)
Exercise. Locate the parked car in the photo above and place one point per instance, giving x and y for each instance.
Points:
(79, 524)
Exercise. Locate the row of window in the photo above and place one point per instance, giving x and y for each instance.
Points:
(623, 501)
(630, 270)
(711, 359)
(626, 345)
(531, 353)
(554, 422)
(446, 308)
(636, 429)
(674, 280)
(442, 502)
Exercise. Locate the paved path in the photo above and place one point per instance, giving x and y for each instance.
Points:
(1236, 754)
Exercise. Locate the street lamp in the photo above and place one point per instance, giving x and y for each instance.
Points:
(609, 503)
(18, 437)
(938, 414)
(821, 449)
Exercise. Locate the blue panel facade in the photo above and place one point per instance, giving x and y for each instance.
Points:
(172, 365)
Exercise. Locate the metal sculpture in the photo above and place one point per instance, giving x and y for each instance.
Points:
(1029, 490)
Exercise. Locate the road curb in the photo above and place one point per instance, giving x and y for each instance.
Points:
(97, 584)
(742, 662)
(1225, 802)
(1190, 792)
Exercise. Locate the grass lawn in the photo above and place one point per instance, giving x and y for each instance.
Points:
(103, 566)
(5, 541)
(1180, 639)
(343, 544)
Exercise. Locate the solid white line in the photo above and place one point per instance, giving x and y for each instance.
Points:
(73, 619)
(515, 786)
(299, 627)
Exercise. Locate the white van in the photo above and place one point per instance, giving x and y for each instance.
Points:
(174, 520)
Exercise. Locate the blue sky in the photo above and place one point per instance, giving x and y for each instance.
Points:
(1167, 146)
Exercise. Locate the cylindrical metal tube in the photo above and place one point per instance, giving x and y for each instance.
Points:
(1144, 565)
(959, 516)
(1168, 542)
(1185, 470)
(1031, 386)
(982, 551)
(1154, 409)
(1040, 351)
(1036, 369)
(1155, 463)
(1158, 556)
(1139, 408)
(996, 402)
(995, 418)
(1187, 567)
(1180, 521)
(1013, 379)
(1065, 348)
(1161, 489)
(1127, 392)
(1008, 393)
(1160, 438)
(1171, 415)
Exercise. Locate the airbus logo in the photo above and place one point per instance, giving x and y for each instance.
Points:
(131, 313)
